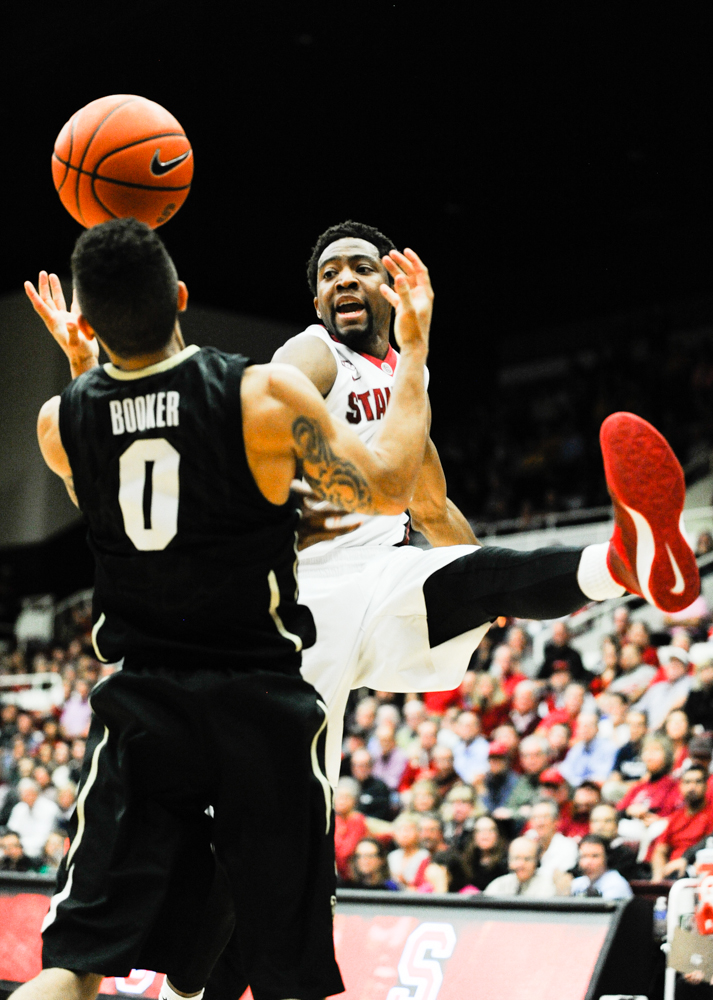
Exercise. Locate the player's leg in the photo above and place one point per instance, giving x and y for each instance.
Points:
(485, 583)
(59, 984)
(203, 933)
(274, 835)
(139, 810)
(647, 553)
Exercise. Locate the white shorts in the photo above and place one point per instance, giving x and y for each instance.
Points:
(372, 628)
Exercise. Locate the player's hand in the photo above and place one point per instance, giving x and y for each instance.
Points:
(320, 521)
(81, 351)
(411, 329)
(412, 267)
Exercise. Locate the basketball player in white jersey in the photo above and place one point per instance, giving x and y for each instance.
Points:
(398, 618)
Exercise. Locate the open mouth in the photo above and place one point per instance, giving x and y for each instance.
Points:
(347, 308)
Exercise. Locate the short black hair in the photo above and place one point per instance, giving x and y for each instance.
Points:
(696, 767)
(594, 838)
(127, 286)
(358, 230)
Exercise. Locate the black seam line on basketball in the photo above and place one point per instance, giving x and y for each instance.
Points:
(138, 142)
(69, 155)
(86, 150)
(98, 199)
(115, 180)
(120, 149)
(146, 138)
(131, 184)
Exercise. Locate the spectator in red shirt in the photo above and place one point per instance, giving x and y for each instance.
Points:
(430, 829)
(573, 702)
(559, 737)
(554, 787)
(639, 634)
(444, 776)
(523, 715)
(585, 798)
(678, 730)
(349, 825)
(419, 765)
(490, 702)
(691, 822)
(557, 683)
(658, 794)
(505, 667)
(437, 702)
(609, 666)
(520, 643)
(507, 734)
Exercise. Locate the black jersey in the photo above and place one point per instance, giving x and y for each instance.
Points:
(191, 559)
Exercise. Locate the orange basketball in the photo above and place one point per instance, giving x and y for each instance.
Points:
(122, 156)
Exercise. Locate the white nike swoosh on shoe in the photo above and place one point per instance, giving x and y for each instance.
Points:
(645, 551)
(680, 585)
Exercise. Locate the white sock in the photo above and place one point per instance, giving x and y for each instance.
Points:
(593, 576)
(168, 994)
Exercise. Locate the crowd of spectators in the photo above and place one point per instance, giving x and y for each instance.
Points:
(41, 753)
(537, 779)
(532, 778)
(537, 447)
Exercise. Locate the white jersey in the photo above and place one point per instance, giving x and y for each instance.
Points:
(365, 590)
(360, 396)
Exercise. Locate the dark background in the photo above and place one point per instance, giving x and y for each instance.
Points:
(551, 162)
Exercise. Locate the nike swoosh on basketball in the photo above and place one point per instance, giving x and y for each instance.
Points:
(158, 168)
(680, 585)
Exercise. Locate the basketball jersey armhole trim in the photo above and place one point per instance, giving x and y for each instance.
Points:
(161, 366)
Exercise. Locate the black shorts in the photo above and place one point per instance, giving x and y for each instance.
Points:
(143, 884)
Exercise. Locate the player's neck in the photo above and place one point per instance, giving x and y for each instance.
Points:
(376, 344)
(175, 345)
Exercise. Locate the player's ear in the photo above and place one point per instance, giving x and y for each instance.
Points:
(316, 307)
(182, 296)
(85, 328)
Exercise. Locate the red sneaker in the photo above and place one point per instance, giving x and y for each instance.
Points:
(648, 552)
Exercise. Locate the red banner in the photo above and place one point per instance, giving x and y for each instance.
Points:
(458, 954)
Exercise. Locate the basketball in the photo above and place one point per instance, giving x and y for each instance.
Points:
(122, 156)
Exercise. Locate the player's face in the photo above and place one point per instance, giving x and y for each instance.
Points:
(348, 301)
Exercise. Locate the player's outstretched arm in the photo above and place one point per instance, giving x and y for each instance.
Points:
(47, 300)
(285, 422)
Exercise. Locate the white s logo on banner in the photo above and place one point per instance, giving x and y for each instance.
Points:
(416, 970)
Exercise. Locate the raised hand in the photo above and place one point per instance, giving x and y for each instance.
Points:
(410, 264)
(411, 305)
(81, 351)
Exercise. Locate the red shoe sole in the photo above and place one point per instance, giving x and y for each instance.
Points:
(646, 484)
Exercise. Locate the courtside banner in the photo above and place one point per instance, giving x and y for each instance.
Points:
(394, 946)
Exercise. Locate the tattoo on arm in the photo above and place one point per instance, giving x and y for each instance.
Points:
(69, 483)
(333, 478)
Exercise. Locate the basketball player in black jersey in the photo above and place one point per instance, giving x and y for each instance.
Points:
(181, 460)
